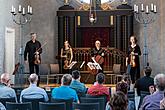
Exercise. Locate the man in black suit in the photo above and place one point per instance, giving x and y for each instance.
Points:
(33, 50)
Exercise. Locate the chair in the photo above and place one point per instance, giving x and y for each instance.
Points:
(98, 96)
(94, 100)
(86, 106)
(68, 102)
(131, 95)
(52, 106)
(34, 101)
(44, 71)
(116, 69)
(54, 73)
(18, 106)
(4, 100)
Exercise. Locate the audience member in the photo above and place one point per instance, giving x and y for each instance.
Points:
(64, 91)
(123, 87)
(152, 102)
(127, 79)
(33, 91)
(76, 84)
(5, 90)
(2, 107)
(119, 101)
(145, 82)
(98, 88)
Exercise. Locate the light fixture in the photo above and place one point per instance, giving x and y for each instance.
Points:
(92, 12)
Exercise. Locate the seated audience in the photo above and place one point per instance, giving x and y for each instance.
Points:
(64, 91)
(145, 82)
(123, 87)
(162, 104)
(98, 88)
(33, 91)
(152, 102)
(119, 101)
(126, 78)
(76, 84)
(2, 107)
(5, 90)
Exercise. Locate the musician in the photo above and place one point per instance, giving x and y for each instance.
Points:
(66, 55)
(33, 49)
(98, 54)
(133, 60)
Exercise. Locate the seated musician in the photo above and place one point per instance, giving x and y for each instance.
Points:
(98, 54)
(67, 56)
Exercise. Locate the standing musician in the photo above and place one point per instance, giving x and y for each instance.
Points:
(33, 49)
(98, 54)
(133, 60)
(67, 56)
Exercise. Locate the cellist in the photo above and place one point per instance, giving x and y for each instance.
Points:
(98, 54)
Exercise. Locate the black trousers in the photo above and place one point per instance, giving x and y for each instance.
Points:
(135, 74)
(32, 66)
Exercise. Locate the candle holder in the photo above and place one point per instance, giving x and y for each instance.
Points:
(145, 15)
(21, 18)
(92, 12)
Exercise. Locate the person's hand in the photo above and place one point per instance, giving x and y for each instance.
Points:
(102, 54)
(37, 53)
(26, 62)
(162, 104)
(132, 53)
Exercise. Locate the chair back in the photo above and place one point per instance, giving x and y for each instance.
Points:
(18, 106)
(54, 68)
(34, 101)
(4, 100)
(98, 96)
(67, 102)
(86, 106)
(52, 106)
(44, 69)
(116, 68)
(94, 100)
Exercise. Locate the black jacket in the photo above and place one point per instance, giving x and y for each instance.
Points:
(30, 49)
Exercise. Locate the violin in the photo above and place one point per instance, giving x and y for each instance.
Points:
(37, 58)
(66, 64)
(132, 60)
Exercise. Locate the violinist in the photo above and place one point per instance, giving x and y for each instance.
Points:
(33, 50)
(67, 56)
(98, 54)
(133, 60)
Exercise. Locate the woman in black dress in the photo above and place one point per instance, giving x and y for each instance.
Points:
(133, 60)
(67, 56)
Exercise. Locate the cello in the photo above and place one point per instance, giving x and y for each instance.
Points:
(95, 67)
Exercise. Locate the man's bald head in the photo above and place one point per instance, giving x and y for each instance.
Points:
(33, 78)
(5, 77)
